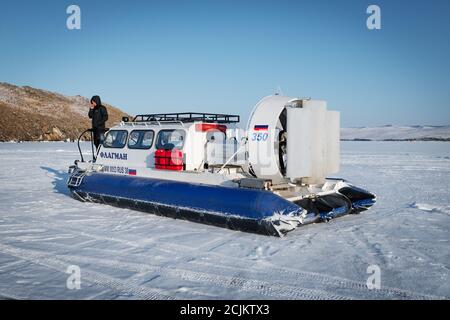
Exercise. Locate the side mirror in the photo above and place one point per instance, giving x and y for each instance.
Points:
(125, 119)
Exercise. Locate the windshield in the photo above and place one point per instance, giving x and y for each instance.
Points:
(170, 139)
(140, 139)
(116, 139)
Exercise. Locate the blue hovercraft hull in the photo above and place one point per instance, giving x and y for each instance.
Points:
(234, 208)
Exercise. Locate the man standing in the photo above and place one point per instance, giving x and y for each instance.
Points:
(99, 116)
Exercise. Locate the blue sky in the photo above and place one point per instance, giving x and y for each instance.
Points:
(223, 56)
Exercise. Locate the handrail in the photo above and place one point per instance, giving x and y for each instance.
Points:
(153, 122)
(92, 144)
(234, 154)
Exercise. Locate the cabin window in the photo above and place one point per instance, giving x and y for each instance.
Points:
(215, 136)
(170, 139)
(116, 139)
(141, 139)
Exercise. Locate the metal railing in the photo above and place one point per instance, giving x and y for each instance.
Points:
(187, 117)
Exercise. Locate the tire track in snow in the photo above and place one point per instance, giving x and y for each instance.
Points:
(205, 251)
(120, 286)
(263, 288)
(347, 288)
(357, 237)
(323, 280)
(319, 278)
(271, 269)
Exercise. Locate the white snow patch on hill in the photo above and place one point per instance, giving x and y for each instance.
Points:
(396, 132)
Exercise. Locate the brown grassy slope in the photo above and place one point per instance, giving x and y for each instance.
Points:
(30, 114)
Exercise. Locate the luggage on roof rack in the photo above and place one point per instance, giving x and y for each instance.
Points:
(187, 117)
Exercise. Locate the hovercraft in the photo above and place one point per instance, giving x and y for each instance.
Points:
(268, 178)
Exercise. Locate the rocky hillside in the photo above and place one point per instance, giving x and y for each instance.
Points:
(29, 114)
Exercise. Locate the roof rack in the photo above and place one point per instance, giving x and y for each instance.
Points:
(187, 117)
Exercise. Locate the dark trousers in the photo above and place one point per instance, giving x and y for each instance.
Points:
(99, 136)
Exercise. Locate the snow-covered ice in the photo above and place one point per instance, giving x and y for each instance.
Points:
(124, 254)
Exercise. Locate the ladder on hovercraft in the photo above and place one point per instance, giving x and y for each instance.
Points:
(75, 178)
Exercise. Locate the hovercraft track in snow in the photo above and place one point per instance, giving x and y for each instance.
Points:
(348, 289)
(60, 263)
(56, 263)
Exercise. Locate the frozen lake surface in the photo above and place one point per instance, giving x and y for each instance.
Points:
(124, 254)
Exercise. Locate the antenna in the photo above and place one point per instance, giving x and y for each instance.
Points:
(278, 91)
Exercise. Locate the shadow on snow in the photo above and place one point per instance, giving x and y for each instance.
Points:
(59, 180)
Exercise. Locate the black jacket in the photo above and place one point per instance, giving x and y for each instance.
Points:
(99, 115)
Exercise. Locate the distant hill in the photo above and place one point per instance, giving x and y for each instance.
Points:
(397, 133)
(29, 114)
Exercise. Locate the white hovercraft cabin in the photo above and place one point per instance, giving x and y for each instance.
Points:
(174, 146)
